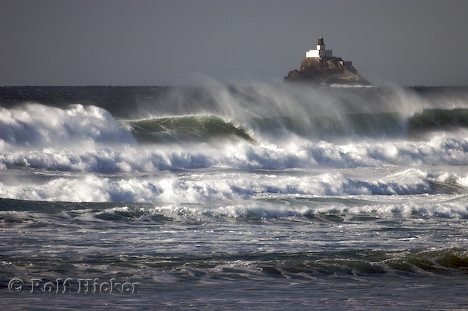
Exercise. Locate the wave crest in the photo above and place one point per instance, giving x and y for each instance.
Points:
(35, 125)
(186, 128)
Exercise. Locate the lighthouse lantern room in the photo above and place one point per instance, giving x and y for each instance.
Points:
(320, 52)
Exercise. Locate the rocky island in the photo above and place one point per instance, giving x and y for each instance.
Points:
(321, 67)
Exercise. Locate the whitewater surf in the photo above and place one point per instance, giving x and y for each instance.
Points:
(273, 195)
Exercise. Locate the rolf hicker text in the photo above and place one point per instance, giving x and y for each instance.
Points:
(72, 285)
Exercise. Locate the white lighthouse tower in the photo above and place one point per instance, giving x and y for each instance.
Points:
(320, 52)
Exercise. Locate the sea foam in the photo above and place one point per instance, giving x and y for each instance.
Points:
(227, 186)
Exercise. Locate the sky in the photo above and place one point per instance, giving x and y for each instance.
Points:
(129, 42)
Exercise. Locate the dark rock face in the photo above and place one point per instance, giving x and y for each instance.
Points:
(331, 70)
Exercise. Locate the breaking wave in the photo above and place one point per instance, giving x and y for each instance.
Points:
(229, 186)
(191, 128)
(34, 125)
(243, 130)
(296, 153)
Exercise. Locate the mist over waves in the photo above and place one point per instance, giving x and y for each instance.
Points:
(256, 127)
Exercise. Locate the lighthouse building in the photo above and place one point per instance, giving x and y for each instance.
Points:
(320, 52)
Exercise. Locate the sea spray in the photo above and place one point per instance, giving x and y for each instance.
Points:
(295, 189)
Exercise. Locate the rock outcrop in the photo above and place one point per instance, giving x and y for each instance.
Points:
(330, 70)
(321, 67)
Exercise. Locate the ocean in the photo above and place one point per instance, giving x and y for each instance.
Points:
(255, 197)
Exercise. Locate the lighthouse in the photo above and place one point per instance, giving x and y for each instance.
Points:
(320, 52)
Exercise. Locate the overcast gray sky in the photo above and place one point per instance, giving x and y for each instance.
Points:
(129, 42)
